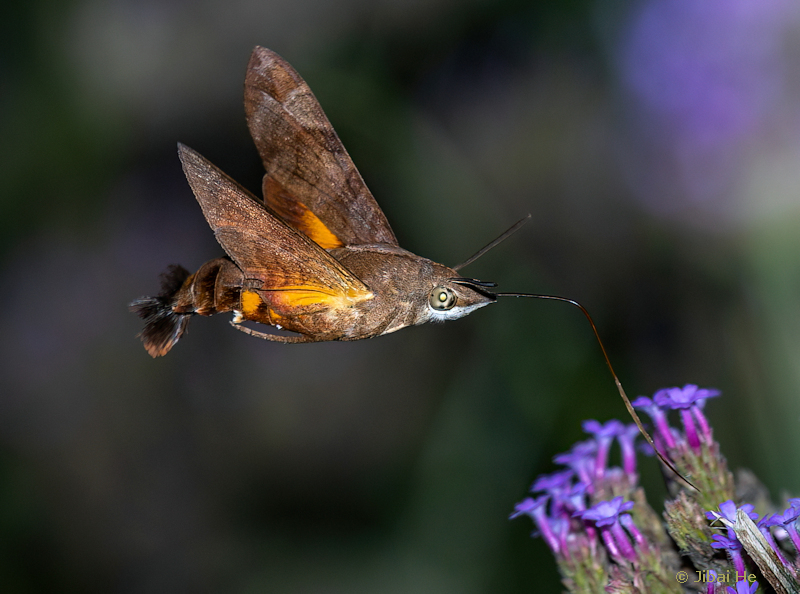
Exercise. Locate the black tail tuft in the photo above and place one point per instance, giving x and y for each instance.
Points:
(162, 326)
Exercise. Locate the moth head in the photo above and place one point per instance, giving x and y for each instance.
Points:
(454, 298)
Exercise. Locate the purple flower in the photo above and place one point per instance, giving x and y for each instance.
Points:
(575, 498)
(527, 506)
(604, 434)
(711, 580)
(731, 545)
(608, 517)
(575, 501)
(556, 481)
(794, 506)
(609, 430)
(727, 511)
(659, 417)
(788, 519)
(606, 513)
(725, 542)
(727, 515)
(686, 397)
(562, 528)
(536, 509)
(582, 449)
(688, 400)
(743, 587)
(581, 459)
(627, 443)
(764, 525)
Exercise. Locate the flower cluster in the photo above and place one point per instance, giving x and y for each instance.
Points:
(606, 537)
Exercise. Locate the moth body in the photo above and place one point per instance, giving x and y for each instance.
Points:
(316, 256)
(401, 284)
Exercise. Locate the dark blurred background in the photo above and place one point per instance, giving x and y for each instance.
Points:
(656, 144)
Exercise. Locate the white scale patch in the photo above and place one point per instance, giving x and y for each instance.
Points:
(452, 314)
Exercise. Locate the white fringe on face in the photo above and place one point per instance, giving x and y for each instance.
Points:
(436, 315)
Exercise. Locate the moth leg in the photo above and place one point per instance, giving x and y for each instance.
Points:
(272, 337)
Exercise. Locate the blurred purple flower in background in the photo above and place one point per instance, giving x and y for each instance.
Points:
(705, 79)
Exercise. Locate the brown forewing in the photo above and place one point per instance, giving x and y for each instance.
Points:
(293, 273)
(302, 152)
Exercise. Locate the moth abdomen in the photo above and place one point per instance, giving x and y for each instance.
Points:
(214, 288)
(163, 326)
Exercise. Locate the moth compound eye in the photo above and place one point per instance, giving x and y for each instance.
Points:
(442, 299)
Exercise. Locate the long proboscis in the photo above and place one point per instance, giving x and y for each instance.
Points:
(620, 389)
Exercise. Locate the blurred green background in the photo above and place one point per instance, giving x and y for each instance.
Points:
(656, 145)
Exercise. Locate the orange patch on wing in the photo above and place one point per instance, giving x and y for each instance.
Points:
(309, 297)
(317, 231)
(254, 308)
(297, 215)
(291, 300)
(250, 302)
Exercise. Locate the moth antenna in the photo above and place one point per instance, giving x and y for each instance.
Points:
(162, 326)
(620, 389)
(513, 229)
